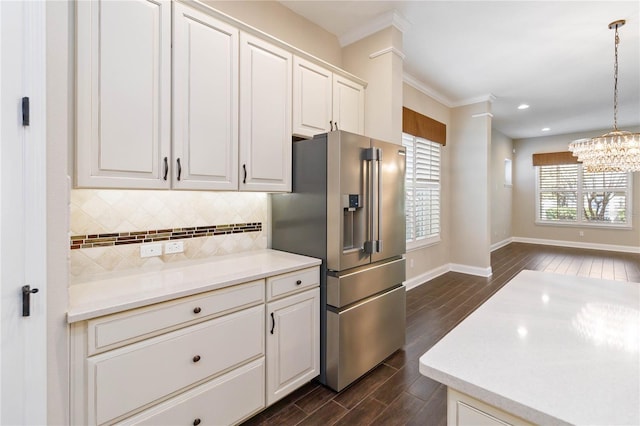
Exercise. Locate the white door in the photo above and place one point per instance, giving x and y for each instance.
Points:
(205, 101)
(265, 116)
(312, 96)
(23, 390)
(348, 105)
(123, 104)
(293, 343)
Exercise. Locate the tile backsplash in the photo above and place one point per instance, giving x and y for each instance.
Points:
(209, 223)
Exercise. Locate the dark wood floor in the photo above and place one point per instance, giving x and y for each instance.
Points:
(395, 393)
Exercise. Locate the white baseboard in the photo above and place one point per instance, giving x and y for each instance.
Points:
(427, 276)
(441, 270)
(471, 270)
(575, 244)
(501, 244)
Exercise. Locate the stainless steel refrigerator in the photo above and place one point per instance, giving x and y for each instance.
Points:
(347, 208)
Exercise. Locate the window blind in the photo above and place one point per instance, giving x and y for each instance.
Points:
(567, 193)
(422, 185)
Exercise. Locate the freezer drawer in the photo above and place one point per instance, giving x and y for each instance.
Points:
(346, 288)
(362, 336)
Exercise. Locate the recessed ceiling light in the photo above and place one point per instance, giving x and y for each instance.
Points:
(523, 106)
(545, 129)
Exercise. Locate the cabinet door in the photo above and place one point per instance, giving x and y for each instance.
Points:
(293, 343)
(123, 59)
(265, 116)
(205, 101)
(312, 98)
(348, 105)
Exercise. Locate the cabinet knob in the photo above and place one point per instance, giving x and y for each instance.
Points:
(196, 422)
(197, 310)
(196, 358)
(298, 282)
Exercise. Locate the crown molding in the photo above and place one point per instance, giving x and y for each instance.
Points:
(444, 100)
(470, 101)
(422, 87)
(388, 19)
(482, 114)
(387, 50)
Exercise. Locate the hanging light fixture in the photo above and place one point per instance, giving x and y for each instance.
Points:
(616, 151)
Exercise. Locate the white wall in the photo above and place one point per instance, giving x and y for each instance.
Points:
(501, 194)
(383, 73)
(60, 15)
(280, 22)
(427, 259)
(524, 225)
(470, 222)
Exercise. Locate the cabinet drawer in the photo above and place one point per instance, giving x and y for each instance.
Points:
(222, 401)
(116, 330)
(128, 378)
(292, 282)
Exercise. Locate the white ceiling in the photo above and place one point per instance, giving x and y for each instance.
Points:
(556, 56)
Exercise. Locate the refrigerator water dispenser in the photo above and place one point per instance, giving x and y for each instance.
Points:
(352, 232)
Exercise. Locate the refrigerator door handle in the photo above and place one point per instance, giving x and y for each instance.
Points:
(378, 241)
(371, 156)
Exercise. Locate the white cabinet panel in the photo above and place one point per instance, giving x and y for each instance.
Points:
(293, 343)
(265, 115)
(463, 410)
(312, 98)
(113, 331)
(205, 99)
(122, 380)
(123, 93)
(292, 282)
(348, 105)
(222, 401)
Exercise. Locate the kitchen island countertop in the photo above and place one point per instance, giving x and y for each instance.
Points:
(549, 348)
(125, 290)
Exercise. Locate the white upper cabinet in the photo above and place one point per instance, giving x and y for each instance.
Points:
(265, 116)
(123, 93)
(194, 100)
(205, 101)
(312, 98)
(348, 104)
(324, 101)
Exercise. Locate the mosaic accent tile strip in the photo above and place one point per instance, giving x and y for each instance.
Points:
(139, 237)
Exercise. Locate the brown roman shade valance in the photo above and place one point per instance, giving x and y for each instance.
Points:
(422, 126)
(554, 158)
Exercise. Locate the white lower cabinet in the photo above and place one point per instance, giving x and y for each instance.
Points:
(463, 410)
(222, 401)
(206, 359)
(293, 343)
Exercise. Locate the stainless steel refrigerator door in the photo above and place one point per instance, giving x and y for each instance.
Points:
(389, 220)
(347, 193)
(362, 336)
(346, 288)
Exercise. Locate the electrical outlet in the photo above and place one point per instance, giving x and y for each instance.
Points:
(150, 250)
(582, 233)
(174, 247)
(410, 263)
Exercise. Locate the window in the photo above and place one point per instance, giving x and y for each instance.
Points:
(422, 189)
(567, 194)
(508, 172)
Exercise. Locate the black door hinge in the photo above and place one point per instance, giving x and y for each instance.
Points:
(25, 111)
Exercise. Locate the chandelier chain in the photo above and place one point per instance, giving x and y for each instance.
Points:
(615, 82)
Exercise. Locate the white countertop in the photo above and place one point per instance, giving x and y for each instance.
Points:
(122, 291)
(550, 348)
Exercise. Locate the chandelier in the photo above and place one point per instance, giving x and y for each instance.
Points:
(616, 151)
